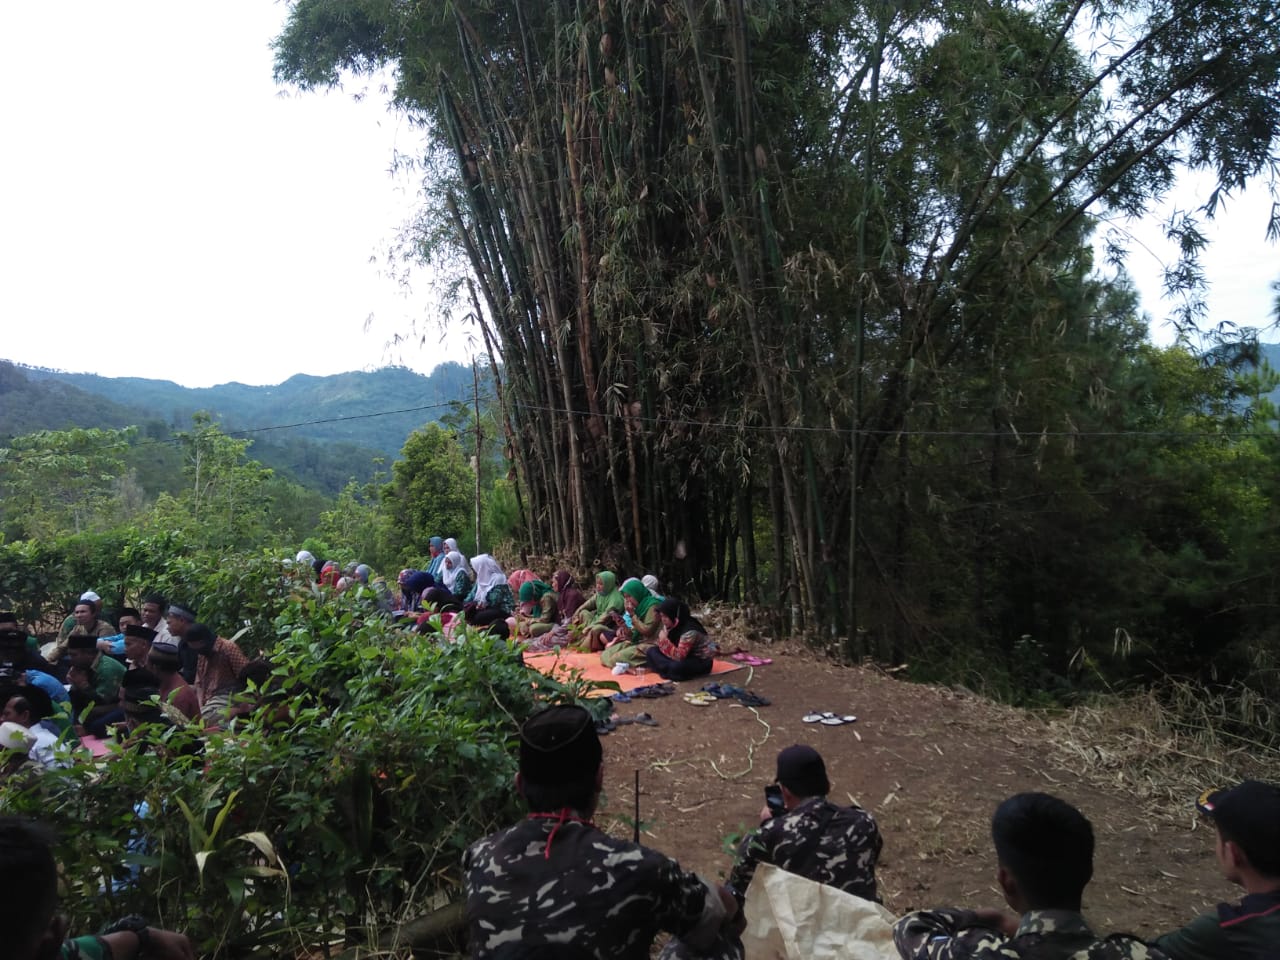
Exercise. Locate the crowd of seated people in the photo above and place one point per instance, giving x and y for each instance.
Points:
(159, 665)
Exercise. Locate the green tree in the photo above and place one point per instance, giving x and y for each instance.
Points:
(62, 480)
(736, 258)
(431, 491)
(225, 498)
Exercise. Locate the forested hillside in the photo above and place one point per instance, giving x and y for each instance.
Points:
(299, 399)
(320, 456)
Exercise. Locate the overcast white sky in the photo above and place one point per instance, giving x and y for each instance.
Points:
(166, 211)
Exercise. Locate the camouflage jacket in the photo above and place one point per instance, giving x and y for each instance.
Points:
(1042, 935)
(549, 882)
(818, 840)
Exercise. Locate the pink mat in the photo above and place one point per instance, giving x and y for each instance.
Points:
(560, 663)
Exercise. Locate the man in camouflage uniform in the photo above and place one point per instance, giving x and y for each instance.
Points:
(813, 838)
(1044, 847)
(1246, 819)
(556, 880)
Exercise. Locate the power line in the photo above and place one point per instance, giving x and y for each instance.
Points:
(151, 442)
(864, 432)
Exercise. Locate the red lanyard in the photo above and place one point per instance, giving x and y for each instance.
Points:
(565, 815)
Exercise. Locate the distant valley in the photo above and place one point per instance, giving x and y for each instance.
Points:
(357, 429)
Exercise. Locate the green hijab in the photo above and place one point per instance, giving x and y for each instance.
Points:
(609, 600)
(644, 598)
(533, 590)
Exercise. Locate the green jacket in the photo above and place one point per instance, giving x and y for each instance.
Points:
(1248, 929)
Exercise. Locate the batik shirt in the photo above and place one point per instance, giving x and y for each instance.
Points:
(1042, 935)
(545, 881)
(818, 840)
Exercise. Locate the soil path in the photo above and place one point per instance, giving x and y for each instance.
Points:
(931, 764)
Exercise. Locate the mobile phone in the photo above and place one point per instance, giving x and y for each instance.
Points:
(773, 799)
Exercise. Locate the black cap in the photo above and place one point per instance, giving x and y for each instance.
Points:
(559, 746)
(8, 616)
(1249, 815)
(801, 770)
(139, 689)
(12, 638)
(82, 641)
(138, 630)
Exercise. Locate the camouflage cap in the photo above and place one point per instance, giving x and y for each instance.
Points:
(559, 745)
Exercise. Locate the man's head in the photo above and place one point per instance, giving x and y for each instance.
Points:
(85, 614)
(560, 760)
(152, 610)
(139, 693)
(200, 639)
(137, 643)
(1045, 851)
(92, 598)
(27, 708)
(163, 659)
(128, 615)
(8, 620)
(801, 774)
(82, 650)
(1247, 818)
(179, 618)
(28, 890)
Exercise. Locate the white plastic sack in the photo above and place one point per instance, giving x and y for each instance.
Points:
(791, 918)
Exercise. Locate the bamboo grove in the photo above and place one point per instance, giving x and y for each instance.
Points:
(797, 302)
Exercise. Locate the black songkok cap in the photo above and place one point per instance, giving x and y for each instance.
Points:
(801, 770)
(12, 638)
(138, 630)
(139, 688)
(559, 746)
(82, 641)
(8, 616)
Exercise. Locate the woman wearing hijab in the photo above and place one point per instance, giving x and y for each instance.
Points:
(435, 566)
(571, 597)
(683, 650)
(539, 609)
(454, 585)
(633, 638)
(490, 599)
(413, 584)
(602, 612)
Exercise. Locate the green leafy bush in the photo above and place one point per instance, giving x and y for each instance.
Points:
(342, 807)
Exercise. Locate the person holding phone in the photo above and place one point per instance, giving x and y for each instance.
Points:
(804, 833)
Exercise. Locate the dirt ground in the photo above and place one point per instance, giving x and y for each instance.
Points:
(930, 763)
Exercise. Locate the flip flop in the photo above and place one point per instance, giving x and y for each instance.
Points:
(832, 721)
(699, 698)
(621, 697)
(812, 717)
(606, 726)
(644, 719)
(750, 699)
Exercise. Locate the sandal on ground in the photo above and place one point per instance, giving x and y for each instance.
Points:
(623, 697)
(644, 719)
(699, 699)
(749, 699)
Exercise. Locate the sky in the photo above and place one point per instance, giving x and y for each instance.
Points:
(167, 211)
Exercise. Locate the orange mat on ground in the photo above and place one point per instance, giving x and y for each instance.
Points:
(560, 663)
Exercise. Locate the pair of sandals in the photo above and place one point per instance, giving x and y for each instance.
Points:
(651, 692)
(723, 691)
(613, 723)
(750, 659)
(829, 719)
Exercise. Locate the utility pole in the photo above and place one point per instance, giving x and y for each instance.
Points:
(475, 396)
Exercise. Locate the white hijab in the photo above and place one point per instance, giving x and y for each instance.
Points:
(488, 575)
(454, 564)
(450, 545)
